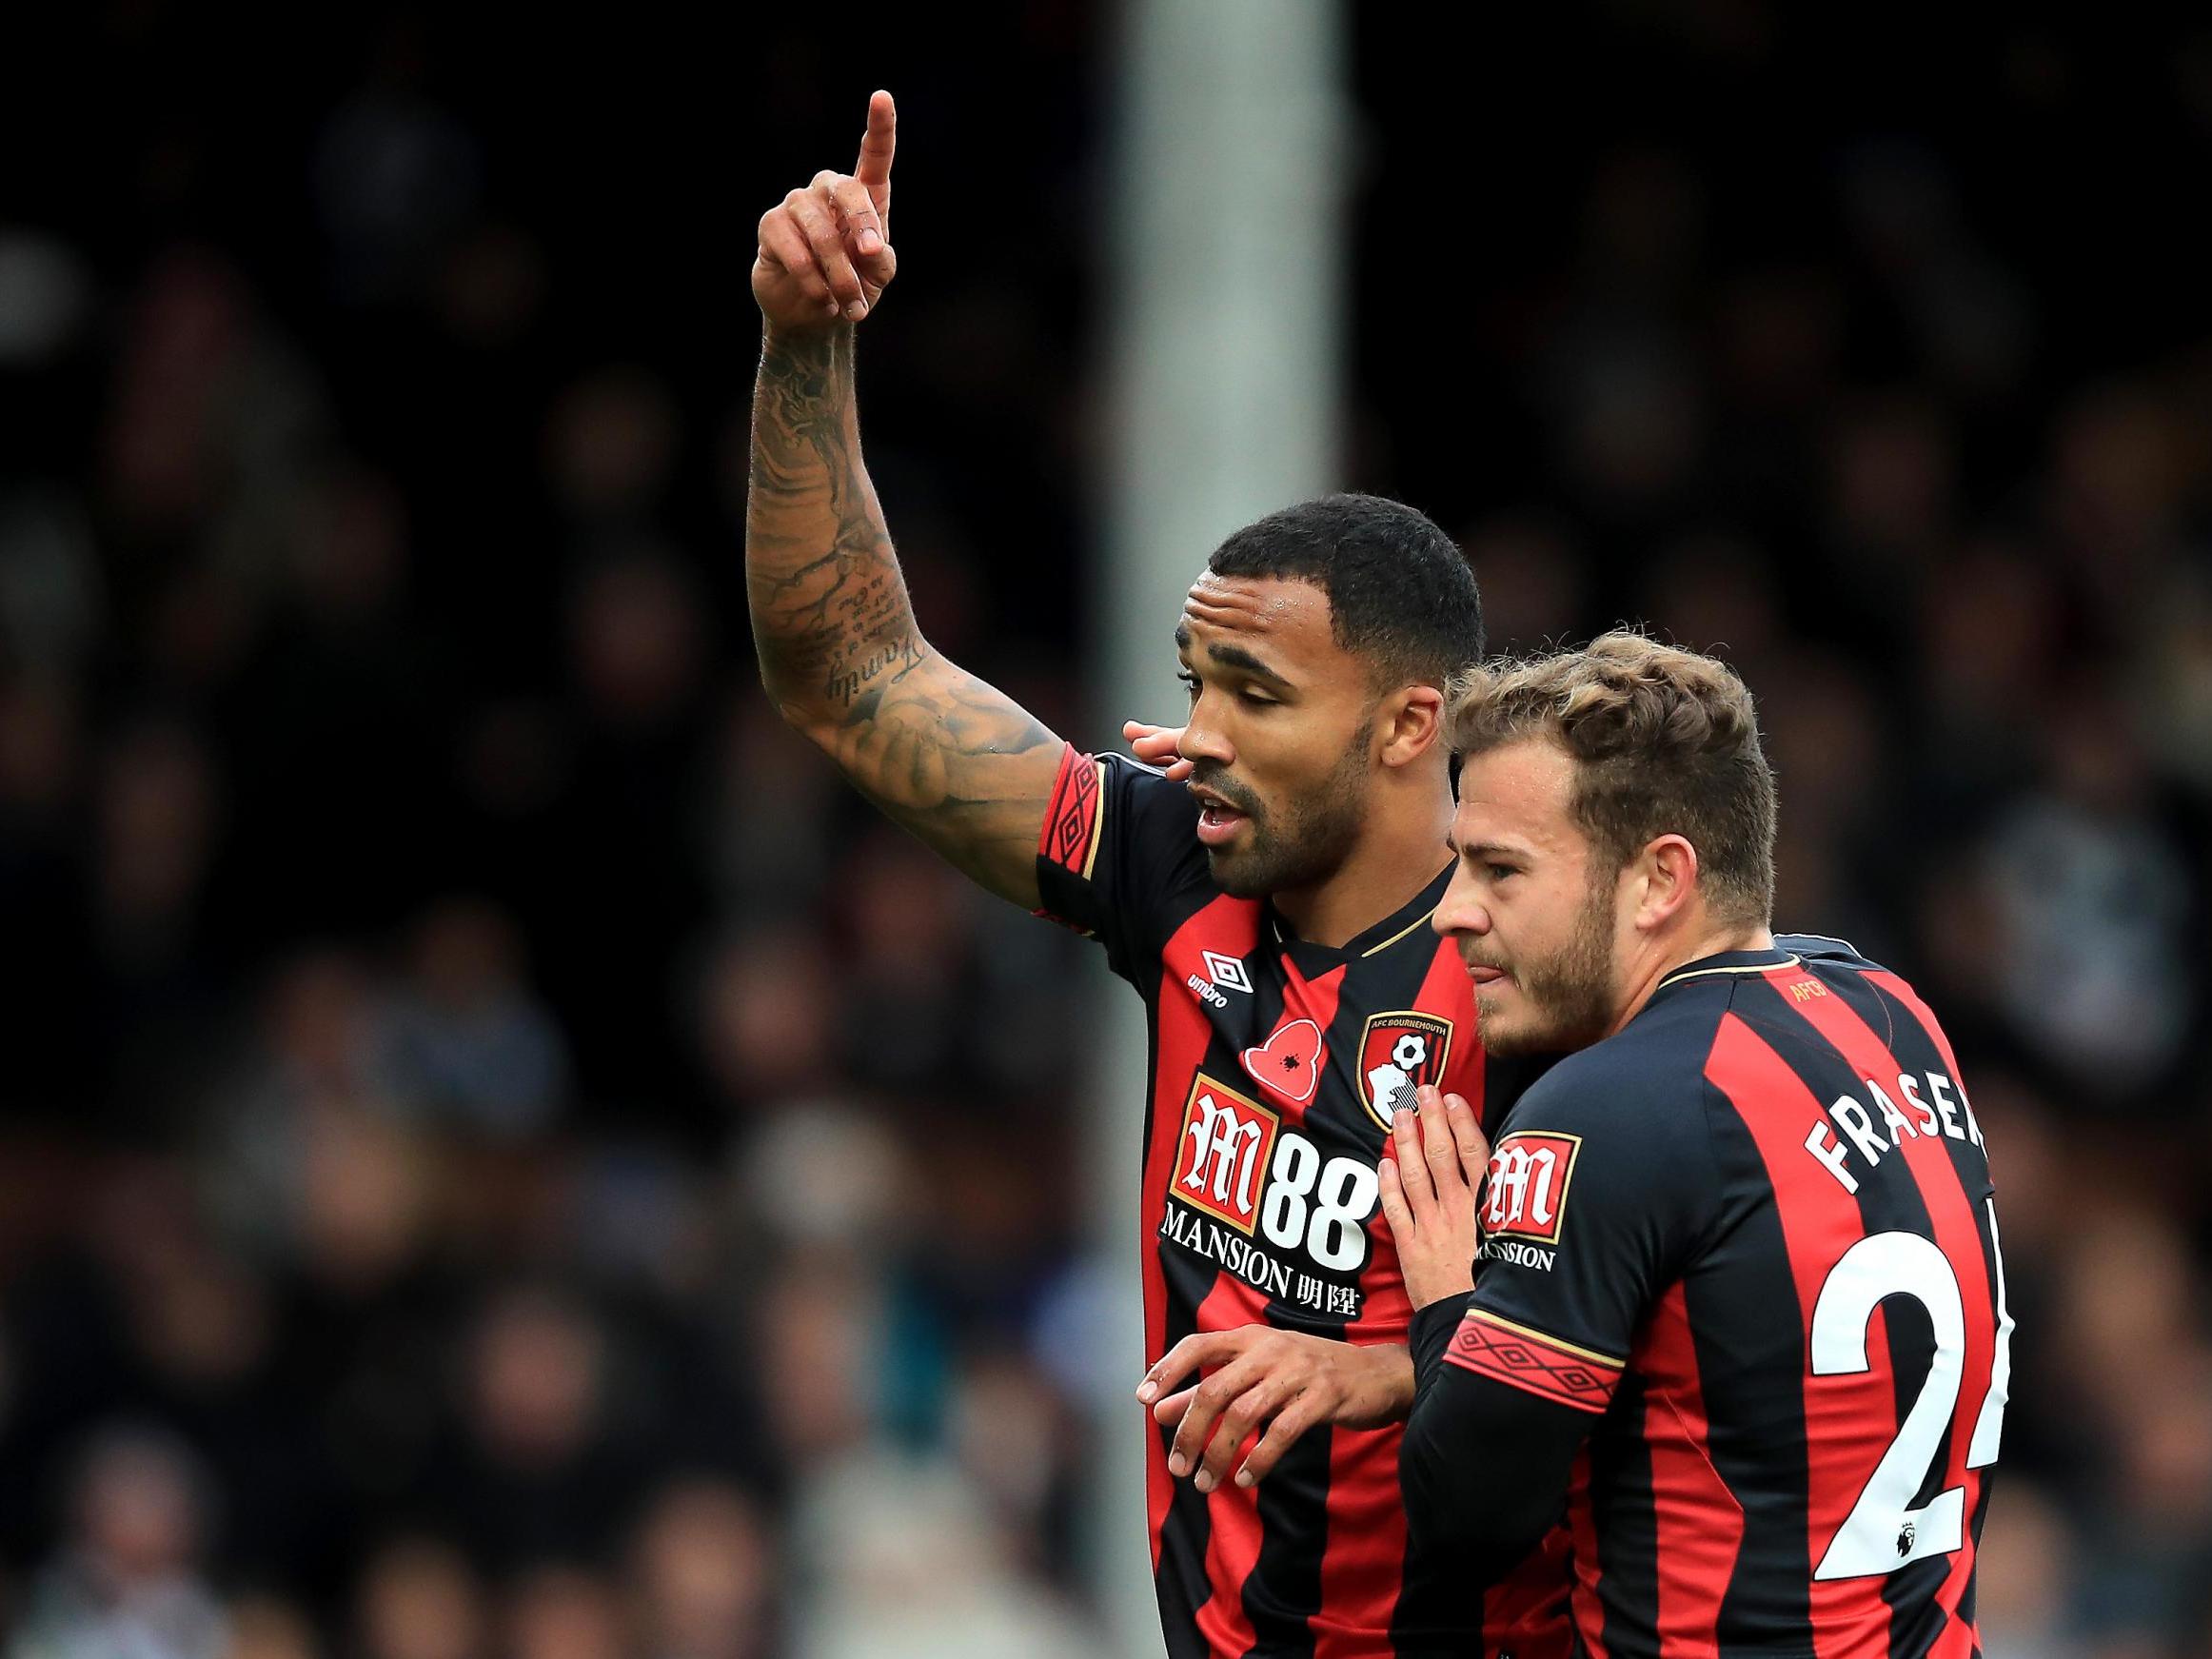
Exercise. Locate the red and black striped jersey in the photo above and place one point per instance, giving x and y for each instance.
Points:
(1754, 1235)
(1277, 1065)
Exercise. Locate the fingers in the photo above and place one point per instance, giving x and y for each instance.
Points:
(876, 147)
(815, 213)
(1156, 744)
(823, 224)
(1159, 746)
(1192, 1353)
(1290, 1424)
(1467, 1136)
(871, 254)
(1413, 1177)
(1210, 1401)
(863, 230)
(784, 245)
(1256, 1405)
(1172, 1409)
(1438, 1148)
(1395, 1209)
(1270, 1379)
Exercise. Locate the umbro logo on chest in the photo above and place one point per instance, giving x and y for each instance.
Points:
(1226, 972)
(1222, 974)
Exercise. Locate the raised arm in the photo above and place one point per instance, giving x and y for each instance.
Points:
(957, 763)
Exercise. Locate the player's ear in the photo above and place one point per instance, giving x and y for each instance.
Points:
(1667, 873)
(1408, 722)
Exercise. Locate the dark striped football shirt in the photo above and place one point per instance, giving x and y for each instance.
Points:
(1754, 1235)
(1277, 1065)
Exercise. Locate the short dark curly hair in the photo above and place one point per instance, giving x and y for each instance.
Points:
(1664, 742)
(1401, 594)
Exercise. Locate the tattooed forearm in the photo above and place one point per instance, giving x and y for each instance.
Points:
(957, 763)
(830, 612)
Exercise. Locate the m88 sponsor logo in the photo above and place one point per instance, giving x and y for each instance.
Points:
(1530, 1174)
(1262, 1200)
(1525, 1197)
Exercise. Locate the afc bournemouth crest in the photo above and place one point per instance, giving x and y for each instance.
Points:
(1398, 1052)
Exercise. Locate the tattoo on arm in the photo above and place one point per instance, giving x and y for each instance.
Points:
(830, 614)
(952, 759)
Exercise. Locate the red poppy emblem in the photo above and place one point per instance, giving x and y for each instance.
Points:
(1290, 1063)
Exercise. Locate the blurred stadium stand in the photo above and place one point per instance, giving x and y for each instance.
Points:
(502, 1157)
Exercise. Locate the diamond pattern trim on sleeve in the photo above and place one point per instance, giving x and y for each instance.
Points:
(1070, 837)
(1535, 1364)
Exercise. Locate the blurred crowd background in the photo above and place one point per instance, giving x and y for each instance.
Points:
(502, 1157)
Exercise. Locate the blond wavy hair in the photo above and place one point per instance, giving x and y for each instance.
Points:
(1664, 742)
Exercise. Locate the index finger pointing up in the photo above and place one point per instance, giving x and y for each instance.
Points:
(874, 168)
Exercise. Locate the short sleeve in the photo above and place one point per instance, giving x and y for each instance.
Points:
(1598, 1191)
(1119, 857)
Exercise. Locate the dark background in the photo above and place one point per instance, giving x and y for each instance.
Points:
(501, 1155)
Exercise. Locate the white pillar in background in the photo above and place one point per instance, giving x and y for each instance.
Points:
(1223, 368)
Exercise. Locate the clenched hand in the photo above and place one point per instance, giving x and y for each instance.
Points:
(825, 250)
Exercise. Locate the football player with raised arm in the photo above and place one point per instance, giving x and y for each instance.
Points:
(1271, 907)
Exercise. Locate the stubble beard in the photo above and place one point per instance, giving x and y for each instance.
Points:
(1566, 997)
(1310, 844)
